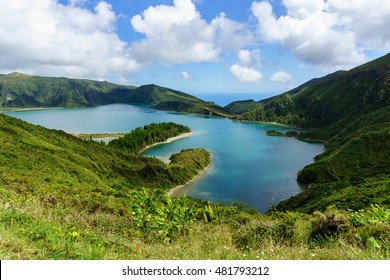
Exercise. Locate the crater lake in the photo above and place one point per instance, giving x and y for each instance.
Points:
(247, 165)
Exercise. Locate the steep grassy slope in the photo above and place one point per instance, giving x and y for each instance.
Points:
(242, 106)
(359, 150)
(23, 91)
(325, 101)
(153, 94)
(190, 107)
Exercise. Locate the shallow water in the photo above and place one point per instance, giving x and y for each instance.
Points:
(248, 165)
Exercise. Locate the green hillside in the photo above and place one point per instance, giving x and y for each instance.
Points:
(25, 91)
(242, 106)
(190, 107)
(344, 95)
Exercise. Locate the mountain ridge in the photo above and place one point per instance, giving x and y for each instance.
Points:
(323, 101)
(19, 90)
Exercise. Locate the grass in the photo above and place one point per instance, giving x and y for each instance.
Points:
(35, 229)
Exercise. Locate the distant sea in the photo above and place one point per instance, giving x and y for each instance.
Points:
(223, 99)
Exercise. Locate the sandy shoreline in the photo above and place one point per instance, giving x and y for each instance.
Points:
(169, 140)
(175, 192)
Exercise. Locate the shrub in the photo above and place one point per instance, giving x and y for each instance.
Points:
(328, 225)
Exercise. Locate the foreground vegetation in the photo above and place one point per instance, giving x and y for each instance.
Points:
(158, 227)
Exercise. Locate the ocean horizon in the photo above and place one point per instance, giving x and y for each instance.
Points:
(223, 99)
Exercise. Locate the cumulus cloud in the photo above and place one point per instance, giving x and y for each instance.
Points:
(245, 74)
(369, 20)
(329, 34)
(178, 34)
(45, 37)
(76, 2)
(281, 77)
(249, 58)
(174, 34)
(230, 34)
(244, 71)
(185, 75)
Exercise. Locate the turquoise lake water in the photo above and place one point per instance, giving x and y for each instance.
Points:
(247, 165)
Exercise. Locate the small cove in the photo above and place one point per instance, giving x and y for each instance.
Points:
(247, 166)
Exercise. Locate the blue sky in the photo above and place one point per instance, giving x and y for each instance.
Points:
(254, 48)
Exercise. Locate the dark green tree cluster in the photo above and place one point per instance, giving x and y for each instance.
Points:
(140, 138)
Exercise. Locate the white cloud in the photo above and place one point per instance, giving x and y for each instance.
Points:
(249, 57)
(231, 35)
(185, 75)
(178, 34)
(123, 80)
(281, 77)
(303, 8)
(329, 34)
(174, 34)
(76, 2)
(369, 20)
(244, 57)
(244, 71)
(47, 38)
(245, 74)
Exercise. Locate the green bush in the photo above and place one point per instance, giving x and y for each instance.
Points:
(162, 219)
(328, 225)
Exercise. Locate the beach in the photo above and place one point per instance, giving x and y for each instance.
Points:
(169, 140)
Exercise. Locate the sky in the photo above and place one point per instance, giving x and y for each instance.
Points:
(252, 48)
